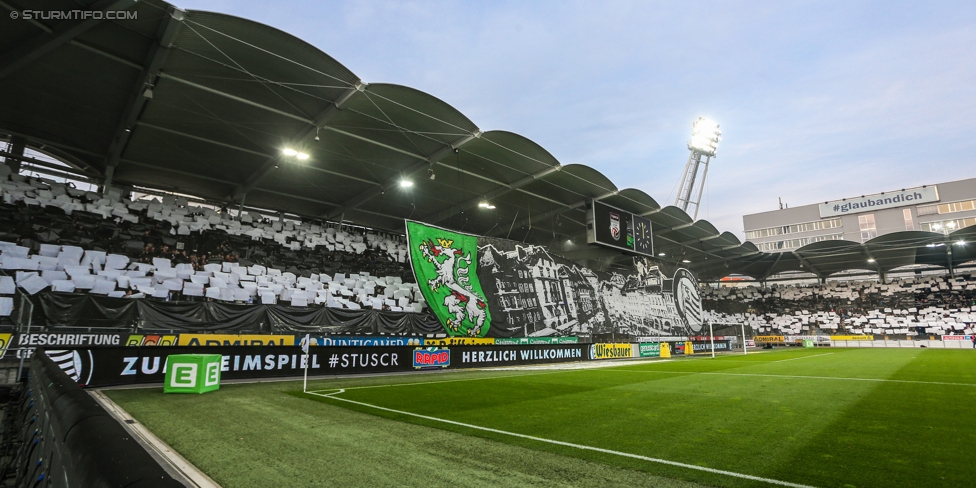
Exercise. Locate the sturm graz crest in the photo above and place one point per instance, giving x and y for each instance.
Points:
(463, 302)
(687, 298)
(615, 226)
(78, 366)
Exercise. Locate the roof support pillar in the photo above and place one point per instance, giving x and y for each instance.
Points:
(63, 32)
(300, 140)
(779, 256)
(948, 246)
(141, 92)
(812, 268)
(871, 259)
(17, 146)
(107, 182)
(446, 214)
(545, 215)
(415, 168)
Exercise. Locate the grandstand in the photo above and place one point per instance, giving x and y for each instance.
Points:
(236, 260)
(179, 182)
(927, 307)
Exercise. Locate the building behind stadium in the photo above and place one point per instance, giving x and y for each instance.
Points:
(940, 208)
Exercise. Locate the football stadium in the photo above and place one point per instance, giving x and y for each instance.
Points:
(227, 260)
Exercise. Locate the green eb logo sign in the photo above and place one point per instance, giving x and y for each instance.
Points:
(192, 373)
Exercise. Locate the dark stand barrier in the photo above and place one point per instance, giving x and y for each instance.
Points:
(85, 310)
(69, 440)
(108, 366)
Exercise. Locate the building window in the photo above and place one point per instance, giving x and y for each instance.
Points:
(948, 226)
(909, 224)
(794, 229)
(957, 206)
(796, 243)
(868, 229)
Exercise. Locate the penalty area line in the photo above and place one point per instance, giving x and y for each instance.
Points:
(566, 444)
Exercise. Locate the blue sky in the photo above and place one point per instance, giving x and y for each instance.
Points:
(817, 100)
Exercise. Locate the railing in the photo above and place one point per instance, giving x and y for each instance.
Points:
(67, 439)
(23, 319)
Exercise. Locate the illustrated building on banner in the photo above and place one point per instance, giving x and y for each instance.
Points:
(510, 289)
(544, 295)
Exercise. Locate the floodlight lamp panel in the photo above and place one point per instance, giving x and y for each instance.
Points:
(302, 156)
(406, 183)
(289, 151)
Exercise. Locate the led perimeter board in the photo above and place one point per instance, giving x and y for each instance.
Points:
(612, 227)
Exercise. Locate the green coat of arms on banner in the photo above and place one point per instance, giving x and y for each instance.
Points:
(445, 264)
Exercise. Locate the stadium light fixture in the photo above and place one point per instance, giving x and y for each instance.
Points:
(289, 152)
(705, 136)
(685, 261)
(661, 254)
(302, 156)
(406, 183)
(960, 242)
(870, 260)
(485, 204)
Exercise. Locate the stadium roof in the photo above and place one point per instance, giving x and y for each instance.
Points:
(204, 103)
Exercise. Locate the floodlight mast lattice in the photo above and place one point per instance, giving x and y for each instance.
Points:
(705, 135)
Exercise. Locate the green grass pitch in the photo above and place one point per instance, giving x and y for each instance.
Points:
(821, 417)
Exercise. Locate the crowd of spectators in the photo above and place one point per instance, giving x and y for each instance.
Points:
(924, 304)
(56, 236)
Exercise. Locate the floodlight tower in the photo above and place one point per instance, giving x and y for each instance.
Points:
(705, 135)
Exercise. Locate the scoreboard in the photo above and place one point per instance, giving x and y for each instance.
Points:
(612, 227)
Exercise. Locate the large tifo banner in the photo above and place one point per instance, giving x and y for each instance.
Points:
(489, 287)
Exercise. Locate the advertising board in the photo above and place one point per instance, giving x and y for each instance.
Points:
(235, 340)
(801, 338)
(460, 341)
(649, 349)
(27, 342)
(957, 338)
(106, 366)
(431, 358)
(362, 341)
(151, 340)
(699, 346)
(477, 356)
(5, 340)
(611, 351)
(536, 340)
